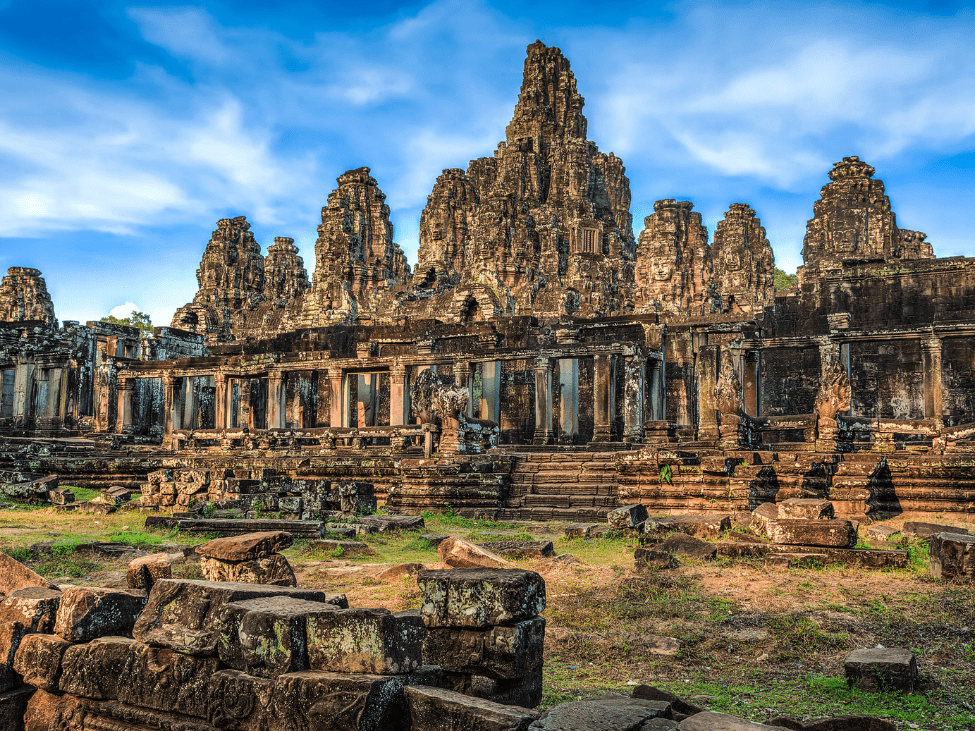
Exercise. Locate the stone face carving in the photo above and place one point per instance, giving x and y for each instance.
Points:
(285, 277)
(545, 223)
(356, 259)
(853, 221)
(673, 261)
(231, 280)
(744, 265)
(24, 296)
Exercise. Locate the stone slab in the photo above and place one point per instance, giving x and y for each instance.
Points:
(914, 529)
(435, 709)
(952, 556)
(14, 575)
(38, 660)
(504, 653)
(323, 700)
(145, 571)
(627, 517)
(86, 613)
(35, 607)
(699, 526)
(806, 508)
(826, 533)
(713, 721)
(480, 598)
(883, 668)
(604, 713)
(373, 641)
(246, 547)
(273, 570)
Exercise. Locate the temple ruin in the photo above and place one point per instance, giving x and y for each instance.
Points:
(536, 334)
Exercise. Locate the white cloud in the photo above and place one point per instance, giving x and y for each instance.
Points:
(123, 311)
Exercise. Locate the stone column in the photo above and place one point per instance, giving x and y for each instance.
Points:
(462, 374)
(191, 404)
(490, 406)
(168, 415)
(634, 397)
(707, 365)
(568, 399)
(543, 401)
(602, 393)
(23, 375)
(220, 400)
(276, 407)
(398, 407)
(752, 401)
(126, 387)
(933, 384)
(245, 414)
(337, 398)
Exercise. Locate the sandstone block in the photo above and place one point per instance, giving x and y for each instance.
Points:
(86, 613)
(181, 614)
(13, 706)
(460, 554)
(11, 635)
(480, 598)
(680, 544)
(145, 571)
(604, 713)
(914, 529)
(311, 700)
(713, 721)
(804, 508)
(524, 692)
(881, 669)
(38, 660)
(372, 641)
(762, 518)
(651, 693)
(650, 559)
(246, 547)
(700, 526)
(35, 607)
(952, 556)
(435, 709)
(827, 533)
(60, 496)
(500, 652)
(273, 569)
(266, 637)
(95, 669)
(628, 517)
(384, 523)
(239, 700)
(14, 575)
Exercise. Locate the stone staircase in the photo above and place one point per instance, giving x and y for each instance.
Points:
(574, 486)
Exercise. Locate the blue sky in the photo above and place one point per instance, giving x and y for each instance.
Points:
(127, 130)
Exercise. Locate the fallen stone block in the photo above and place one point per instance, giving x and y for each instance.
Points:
(880, 532)
(763, 517)
(651, 693)
(806, 509)
(521, 549)
(11, 635)
(952, 556)
(332, 531)
(86, 613)
(480, 598)
(313, 700)
(385, 523)
(373, 641)
(246, 547)
(181, 614)
(713, 721)
(524, 692)
(94, 669)
(604, 713)
(266, 637)
(882, 668)
(344, 548)
(435, 709)
(35, 607)
(914, 529)
(699, 526)
(14, 575)
(628, 517)
(38, 660)
(837, 723)
(458, 553)
(652, 559)
(60, 496)
(680, 544)
(145, 571)
(580, 530)
(500, 652)
(827, 533)
(274, 570)
(400, 570)
(13, 707)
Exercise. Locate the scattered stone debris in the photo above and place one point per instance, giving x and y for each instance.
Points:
(881, 669)
(250, 558)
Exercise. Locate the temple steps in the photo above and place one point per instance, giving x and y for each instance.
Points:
(577, 486)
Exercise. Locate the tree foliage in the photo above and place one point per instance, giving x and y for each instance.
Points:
(136, 319)
(783, 280)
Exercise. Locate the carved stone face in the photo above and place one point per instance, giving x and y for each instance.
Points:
(661, 269)
(732, 259)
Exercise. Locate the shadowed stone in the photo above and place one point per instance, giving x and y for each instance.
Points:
(434, 709)
(274, 570)
(883, 668)
(311, 700)
(713, 721)
(480, 598)
(460, 554)
(680, 544)
(805, 508)
(145, 571)
(366, 641)
(627, 518)
(648, 559)
(952, 556)
(604, 713)
(914, 529)
(38, 660)
(86, 613)
(699, 526)
(500, 652)
(13, 706)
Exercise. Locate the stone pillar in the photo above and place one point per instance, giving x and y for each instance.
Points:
(398, 406)
(220, 400)
(462, 375)
(245, 414)
(752, 401)
(602, 393)
(490, 406)
(707, 366)
(933, 385)
(276, 406)
(23, 375)
(168, 415)
(634, 397)
(568, 399)
(543, 401)
(123, 424)
(191, 404)
(337, 399)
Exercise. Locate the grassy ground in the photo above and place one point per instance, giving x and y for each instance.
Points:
(754, 640)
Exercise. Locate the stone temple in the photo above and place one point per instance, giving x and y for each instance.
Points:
(536, 334)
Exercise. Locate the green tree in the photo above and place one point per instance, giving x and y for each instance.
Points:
(136, 319)
(783, 280)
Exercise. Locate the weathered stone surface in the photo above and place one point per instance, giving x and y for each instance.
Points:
(651, 693)
(881, 669)
(914, 529)
(806, 509)
(460, 554)
(285, 276)
(14, 575)
(97, 668)
(713, 721)
(521, 549)
(366, 641)
(145, 571)
(650, 559)
(313, 699)
(246, 547)
(700, 526)
(480, 598)
(274, 570)
(13, 707)
(35, 607)
(837, 723)
(743, 262)
(628, 517)
(952, 556)
(763, 517)
(829, 533)
(38, 660)
(181, 614)
(384, 523)
(266, 636)
(525, 692)
(24, 297)
(344, 548)
(86, 613)
(604, 713)
(500, 652)
(435, 709)
(680, 544)
(46, 711)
